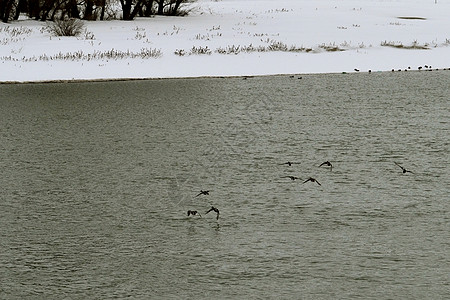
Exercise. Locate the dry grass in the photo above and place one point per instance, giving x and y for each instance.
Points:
(9, 34)
(331, 48)
(200, 50)
(66, 27)
(399, 45)
(112, 54)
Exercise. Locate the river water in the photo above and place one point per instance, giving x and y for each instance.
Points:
(97, 179)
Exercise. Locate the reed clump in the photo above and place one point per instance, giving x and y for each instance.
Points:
(113, 54)
(66, 27)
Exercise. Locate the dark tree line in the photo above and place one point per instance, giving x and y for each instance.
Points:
(87, 9)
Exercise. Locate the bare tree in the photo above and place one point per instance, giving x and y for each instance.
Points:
(87, 9)
(147, 8)
(174, 8)
(33, 9)
(160, 5)
(102, 12)
(130, 8)
(6, 9)
(170, 7)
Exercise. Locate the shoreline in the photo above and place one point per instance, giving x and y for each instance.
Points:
(69, 81)
(164, 78)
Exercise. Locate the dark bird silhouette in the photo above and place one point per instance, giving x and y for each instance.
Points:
(213, 209)
(194, 213)
(328, 164)
(403, 169)
(289, 163)
(312, 180)
(291, 177)
(202, 193)
(356, 70)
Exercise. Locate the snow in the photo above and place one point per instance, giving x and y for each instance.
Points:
(363, 31)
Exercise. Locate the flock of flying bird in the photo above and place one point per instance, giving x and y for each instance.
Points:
(289, 163)
(194, 212)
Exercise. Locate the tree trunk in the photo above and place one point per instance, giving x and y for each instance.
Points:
(33, 9)
(5, 9)
(45, 9)
(160, 7)
(102, 14)
(148, 8)
(2, 9)
(89, 11)
(73, 9)
(176, 7)
(126, 9)
(136, 9)
(21, 7)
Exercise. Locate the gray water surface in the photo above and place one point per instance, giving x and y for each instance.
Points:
(97, 179)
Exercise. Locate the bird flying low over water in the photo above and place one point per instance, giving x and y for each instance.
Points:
(194, 213)
(403, 169)
(328, 164)
(291, 177)
(312, 180)
(202, 193)
(289, 163)
(213, 209)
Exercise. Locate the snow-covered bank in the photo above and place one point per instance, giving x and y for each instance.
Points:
(233, 38)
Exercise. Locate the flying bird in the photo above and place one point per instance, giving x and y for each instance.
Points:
(194, 213)
(328, 164)
(403, 169)
(312, 180)
(213, 209)
(289, 163)
(291, 177)
(202, 193)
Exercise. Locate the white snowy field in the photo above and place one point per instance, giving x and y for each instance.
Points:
(237, 38)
